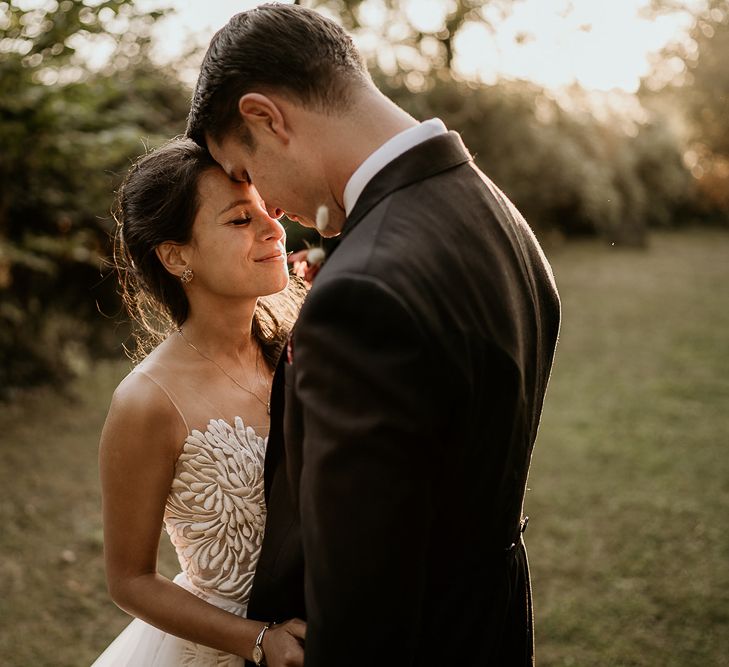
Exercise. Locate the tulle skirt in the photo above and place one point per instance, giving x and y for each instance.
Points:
(143, 645)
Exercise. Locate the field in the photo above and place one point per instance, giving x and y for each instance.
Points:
(628, 535)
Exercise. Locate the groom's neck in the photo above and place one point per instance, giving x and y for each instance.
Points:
(371, 120)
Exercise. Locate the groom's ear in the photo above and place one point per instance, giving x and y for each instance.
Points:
(263, 114)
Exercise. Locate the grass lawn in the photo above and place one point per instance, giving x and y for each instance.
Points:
(630, 481)
(628, 538)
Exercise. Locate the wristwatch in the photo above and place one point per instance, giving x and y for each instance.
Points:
(258, 656)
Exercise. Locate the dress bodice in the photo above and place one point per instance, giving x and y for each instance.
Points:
(215, 512)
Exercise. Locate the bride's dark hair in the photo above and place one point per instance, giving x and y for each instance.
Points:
(158, 202)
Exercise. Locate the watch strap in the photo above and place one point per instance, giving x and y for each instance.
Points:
(259, 643)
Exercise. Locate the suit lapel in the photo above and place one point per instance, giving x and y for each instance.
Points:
(275, 446)
(422, 161)
(427, 159)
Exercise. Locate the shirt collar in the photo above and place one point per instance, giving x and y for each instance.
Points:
(385, 154)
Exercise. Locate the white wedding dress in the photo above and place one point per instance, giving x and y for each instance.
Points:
(215, 517)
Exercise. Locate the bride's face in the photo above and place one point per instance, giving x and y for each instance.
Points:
(237, 249)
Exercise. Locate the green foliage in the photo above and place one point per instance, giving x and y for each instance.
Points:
(703, 87)
(705, 97)
(707, 91)
(699, 90)
(414, 48)
(67, 135)
(566, 169)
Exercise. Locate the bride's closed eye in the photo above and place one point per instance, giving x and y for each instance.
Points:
(238, 222)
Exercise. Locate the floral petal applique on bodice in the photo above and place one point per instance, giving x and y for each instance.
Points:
(215, 513)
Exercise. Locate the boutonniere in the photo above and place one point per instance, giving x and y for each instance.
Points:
(307, 263)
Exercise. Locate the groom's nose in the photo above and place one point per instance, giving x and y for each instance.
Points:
(274, 211)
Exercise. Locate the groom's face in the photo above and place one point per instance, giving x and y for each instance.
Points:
(274, 170)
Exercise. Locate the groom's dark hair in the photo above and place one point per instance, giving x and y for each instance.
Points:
(283, 48)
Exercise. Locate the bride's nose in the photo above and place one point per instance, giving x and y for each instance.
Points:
(272, 229)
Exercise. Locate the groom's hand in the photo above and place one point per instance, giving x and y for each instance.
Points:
(283, 645)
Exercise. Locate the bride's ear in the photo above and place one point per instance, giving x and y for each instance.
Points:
(173, 257)
(263, 114)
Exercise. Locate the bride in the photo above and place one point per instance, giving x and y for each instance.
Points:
(185, 437)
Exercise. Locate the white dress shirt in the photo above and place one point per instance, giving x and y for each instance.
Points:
(385, 154)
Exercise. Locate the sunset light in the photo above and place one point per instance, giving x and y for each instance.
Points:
(600, 45)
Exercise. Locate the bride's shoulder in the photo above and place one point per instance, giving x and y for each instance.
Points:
(141, 414)
(138, 393)
(145, 391)
(143, 395)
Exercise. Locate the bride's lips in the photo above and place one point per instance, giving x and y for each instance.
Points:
(273, 257)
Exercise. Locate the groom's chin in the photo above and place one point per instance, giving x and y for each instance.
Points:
(333, 226)
(329, 233)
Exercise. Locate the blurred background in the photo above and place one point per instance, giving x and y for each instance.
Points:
(607, 123)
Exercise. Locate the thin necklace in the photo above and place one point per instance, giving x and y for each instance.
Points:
(212, 361)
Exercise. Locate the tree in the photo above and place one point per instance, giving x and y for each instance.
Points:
(568, 171)
(413, 37)
(699, 88)
(67, 133)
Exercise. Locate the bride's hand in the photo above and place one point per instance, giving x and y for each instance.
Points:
(283, 645)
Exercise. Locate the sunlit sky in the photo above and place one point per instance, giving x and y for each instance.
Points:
(600, 44)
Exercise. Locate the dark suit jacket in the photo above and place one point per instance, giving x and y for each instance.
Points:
(395, 481)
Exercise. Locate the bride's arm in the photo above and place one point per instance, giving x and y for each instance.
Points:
(138, 450)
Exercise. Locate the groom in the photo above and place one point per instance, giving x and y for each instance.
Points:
(407, 402)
